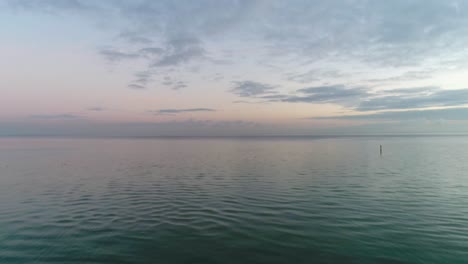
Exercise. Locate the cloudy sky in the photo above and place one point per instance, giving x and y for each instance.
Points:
(142, 67)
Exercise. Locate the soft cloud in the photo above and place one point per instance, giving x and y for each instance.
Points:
(418, 98)
(136, 86)
(115, 55)
(142, 78)
(180, 50)
(178, 111)
(96, 109)
(365, 99)
(179, 85)
(135, 38)
(55, 117)
(52, 6)
(376, 34)
(314, 75)
(347, 53)
(175, 52)
(413, 90)
(252, 89)
(433, 114)
(328, 94)
(151, 51)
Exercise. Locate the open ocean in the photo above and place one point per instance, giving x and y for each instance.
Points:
(234, 200)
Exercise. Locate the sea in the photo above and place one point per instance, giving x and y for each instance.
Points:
(234, 199)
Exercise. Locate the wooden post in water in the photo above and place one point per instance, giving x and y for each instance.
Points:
(380, 150)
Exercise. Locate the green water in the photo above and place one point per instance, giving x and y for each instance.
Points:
(234, 200)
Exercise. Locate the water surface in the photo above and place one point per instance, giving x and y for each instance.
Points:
(234, 200)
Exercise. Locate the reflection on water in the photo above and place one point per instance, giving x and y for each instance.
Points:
(275, 200)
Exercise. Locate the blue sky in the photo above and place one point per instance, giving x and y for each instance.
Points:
(145, 67)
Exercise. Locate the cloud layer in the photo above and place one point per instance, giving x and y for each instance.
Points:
(422, 99)
(178, 111)
(433, 114)
(165, 34)
(252, 89)
(390, 60)
(360, 99)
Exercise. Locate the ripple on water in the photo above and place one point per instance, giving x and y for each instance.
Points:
(258, 202)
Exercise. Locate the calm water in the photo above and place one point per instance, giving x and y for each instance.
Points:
(274, 200)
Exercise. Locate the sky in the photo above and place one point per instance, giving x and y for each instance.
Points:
(219, 67)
